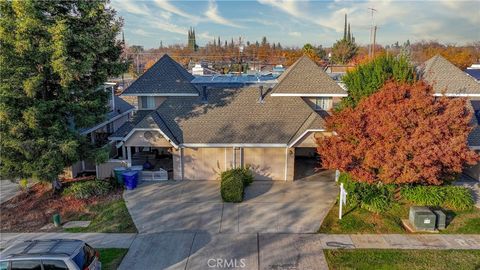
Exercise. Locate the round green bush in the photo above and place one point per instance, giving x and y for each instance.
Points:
(231, 189)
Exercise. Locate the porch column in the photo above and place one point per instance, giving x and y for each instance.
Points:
(124, 151)
(129, 156)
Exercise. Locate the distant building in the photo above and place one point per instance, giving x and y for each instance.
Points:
(200, 70)
(474, 71)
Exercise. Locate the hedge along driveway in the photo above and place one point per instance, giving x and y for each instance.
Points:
(268, 206)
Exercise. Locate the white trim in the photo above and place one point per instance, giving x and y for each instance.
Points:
(304, 133)
(307, 95)
(107, 122)
(474, 147)
(221, 145)
(161, 95)
(149, 129)
(455, 95)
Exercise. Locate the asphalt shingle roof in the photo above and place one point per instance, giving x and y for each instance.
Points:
(306, 77)
(235, 116)
(446, 78)
(165, 77)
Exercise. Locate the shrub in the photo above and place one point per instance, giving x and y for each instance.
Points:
(453, 197)
(233, 182)
(231, 189)
(374, 198)
(87, 189)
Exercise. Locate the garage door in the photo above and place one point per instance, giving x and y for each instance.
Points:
(203, 163)
(266, 163)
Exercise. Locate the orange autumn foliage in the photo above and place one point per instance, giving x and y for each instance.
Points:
(401, 134)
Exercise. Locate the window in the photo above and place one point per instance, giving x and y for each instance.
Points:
(54, 265)
(323, 103)
(26, 265)
(147, 102)
(85, 257)
(3, 265)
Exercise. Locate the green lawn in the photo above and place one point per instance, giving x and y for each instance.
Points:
(403, 259)
(108, 217)
(111, 257)
(358, 220)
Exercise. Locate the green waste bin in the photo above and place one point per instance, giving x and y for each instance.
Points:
(118, 174)
(56, 220)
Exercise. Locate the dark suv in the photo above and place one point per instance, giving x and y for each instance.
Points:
(57, 254)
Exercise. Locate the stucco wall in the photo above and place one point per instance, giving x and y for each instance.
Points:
(153, 139)
(310, 139)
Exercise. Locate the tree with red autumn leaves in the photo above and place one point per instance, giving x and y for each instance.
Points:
(400, 134)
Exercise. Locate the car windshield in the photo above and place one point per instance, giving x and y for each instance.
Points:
(84, 257)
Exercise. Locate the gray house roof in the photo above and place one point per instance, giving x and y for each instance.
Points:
(165, 78)
(231, 116)
(306, 77)
(446, 78)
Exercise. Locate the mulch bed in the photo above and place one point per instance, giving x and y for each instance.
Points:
(31, 210)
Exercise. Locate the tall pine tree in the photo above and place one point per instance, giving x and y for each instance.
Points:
(54, 58)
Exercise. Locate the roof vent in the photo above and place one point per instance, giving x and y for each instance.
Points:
(261, 94)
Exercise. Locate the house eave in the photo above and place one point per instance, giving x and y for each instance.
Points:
(161, 95)
(456, 95)
(303, 135)
(107, 122)
(307, 95)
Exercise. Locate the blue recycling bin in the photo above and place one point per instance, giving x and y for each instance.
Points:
(130, 178)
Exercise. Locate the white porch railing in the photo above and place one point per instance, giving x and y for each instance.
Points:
(160, 175)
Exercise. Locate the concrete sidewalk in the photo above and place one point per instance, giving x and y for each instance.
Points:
(98, 240)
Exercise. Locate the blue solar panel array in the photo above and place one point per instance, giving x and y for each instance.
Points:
(234, 79)
(474, 73)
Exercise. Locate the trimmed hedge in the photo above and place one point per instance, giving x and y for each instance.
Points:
(452, 197)
(233, 183)
(372, 197)
(87, 189)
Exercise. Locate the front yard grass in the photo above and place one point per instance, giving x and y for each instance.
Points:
(358, 220)
(107, 217)
(111, 257)
(402, 259)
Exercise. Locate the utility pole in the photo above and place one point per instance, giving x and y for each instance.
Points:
(372, 38)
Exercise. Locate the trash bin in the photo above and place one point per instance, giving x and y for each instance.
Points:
(118, 174)
(56, 220)
(130, 179)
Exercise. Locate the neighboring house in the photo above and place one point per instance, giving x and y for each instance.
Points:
(448, 80)
(474, 71)
(119, 113)
(195, 131)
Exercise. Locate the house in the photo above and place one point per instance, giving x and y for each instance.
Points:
(448, 80)
(195, 131)
(119, 113)
(474, 71)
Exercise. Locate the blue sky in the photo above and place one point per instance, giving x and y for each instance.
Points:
(295, 23)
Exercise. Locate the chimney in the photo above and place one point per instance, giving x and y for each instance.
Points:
(204, 93)
(261, 94)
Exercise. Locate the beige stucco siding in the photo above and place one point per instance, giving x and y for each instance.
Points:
(147, 139)
(310, 139)
(266, 163)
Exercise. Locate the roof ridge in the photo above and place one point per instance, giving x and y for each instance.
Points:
(169, 130)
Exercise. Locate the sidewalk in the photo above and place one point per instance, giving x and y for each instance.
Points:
(328, 241)
(98, 240)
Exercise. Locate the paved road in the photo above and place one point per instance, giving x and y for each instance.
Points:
(269, 206)
(8, 189)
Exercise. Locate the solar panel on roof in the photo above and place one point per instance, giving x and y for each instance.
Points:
(235, 79)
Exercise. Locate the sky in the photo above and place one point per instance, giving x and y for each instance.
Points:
(294, 23)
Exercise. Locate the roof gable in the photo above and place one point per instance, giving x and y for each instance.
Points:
(445, 78)
(305, 78)
(165, 78)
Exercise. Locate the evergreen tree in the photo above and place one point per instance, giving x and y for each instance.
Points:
(345, 28)
(367, 78)
(264, 41)
(279, 46)
(349, 36)
(54, 58)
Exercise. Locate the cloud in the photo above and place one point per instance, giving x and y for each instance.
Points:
(131, 7)
(205, 36)
(169, 27)
(141, 32)
(212, 14)
(167, 6)
(295, 34)
(287, 6)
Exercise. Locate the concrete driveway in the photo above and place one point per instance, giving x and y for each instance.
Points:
(8, 189)
(196, 206)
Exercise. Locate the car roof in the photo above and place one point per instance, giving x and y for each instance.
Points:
(40, 248)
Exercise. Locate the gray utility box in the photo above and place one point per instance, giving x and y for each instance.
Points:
(422, 218)
(441, 219)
